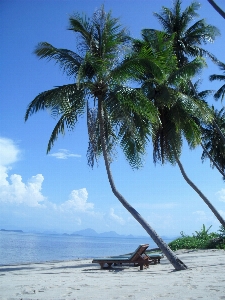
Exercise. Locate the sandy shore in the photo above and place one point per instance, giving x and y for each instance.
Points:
(205, 279)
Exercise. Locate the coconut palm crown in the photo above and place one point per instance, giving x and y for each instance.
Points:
(98, 73)
(189, 36)
(170, 93)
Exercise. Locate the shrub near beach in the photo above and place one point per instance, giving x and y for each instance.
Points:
(200, 240)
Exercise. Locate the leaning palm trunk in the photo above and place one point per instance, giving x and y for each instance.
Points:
(178, 264)
(218, 216)
(212, 160)
(217, 8)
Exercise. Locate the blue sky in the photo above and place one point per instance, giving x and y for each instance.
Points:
(59, 191)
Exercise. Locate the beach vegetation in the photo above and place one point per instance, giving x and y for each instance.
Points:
(202, 239)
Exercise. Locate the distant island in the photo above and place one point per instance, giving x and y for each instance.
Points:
(89, 232)
(11, 230)
(92, 233)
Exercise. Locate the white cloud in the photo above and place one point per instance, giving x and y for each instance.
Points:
(8, 152)
(77, 202)
(221, 195)
(14, 190)
(64, 154)
(3, 175)
(116, 218)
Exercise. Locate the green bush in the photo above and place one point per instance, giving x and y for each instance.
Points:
(200, 240)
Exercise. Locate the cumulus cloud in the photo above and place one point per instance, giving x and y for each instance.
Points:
(116, 218)
(221, 195)
(77, 202)
(64, 154)
(14, 190)
(8, 152)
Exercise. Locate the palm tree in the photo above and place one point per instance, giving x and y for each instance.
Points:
(217, 8)
(213, 147)
(178, 110)
(221, 91)
(116, 113)
(188, 38)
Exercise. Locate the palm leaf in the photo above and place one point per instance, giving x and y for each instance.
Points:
(68, 60)
(57, 100)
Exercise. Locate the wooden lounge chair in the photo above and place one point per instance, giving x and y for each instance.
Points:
(152, 257)
(155, 257)
(137, 258)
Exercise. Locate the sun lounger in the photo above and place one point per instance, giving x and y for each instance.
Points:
(155, 257)
(137, 258)
(152, 257)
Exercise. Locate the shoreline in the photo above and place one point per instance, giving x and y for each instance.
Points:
(81, 279)
(66, 260)
(43, 262)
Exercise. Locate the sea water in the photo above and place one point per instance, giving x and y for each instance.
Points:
(19, 247)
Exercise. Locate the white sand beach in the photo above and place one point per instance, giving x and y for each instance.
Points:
(204, 279)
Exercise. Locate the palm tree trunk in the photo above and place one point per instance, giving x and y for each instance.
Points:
(176, 262)
(218, 216)
(217, 8)
(213, 161)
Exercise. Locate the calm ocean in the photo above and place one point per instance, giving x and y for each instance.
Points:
(17, 248)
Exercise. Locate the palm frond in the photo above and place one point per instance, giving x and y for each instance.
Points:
(200, 32)
(205, 94)
(220, 93)
(68, 60)
(57, 100)
(133, 115)
(84, 27)
(188, 71)
(217, 77)
(67, 120)
(165, 19)
(93, 134)
(212, 140)
(190, 13)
